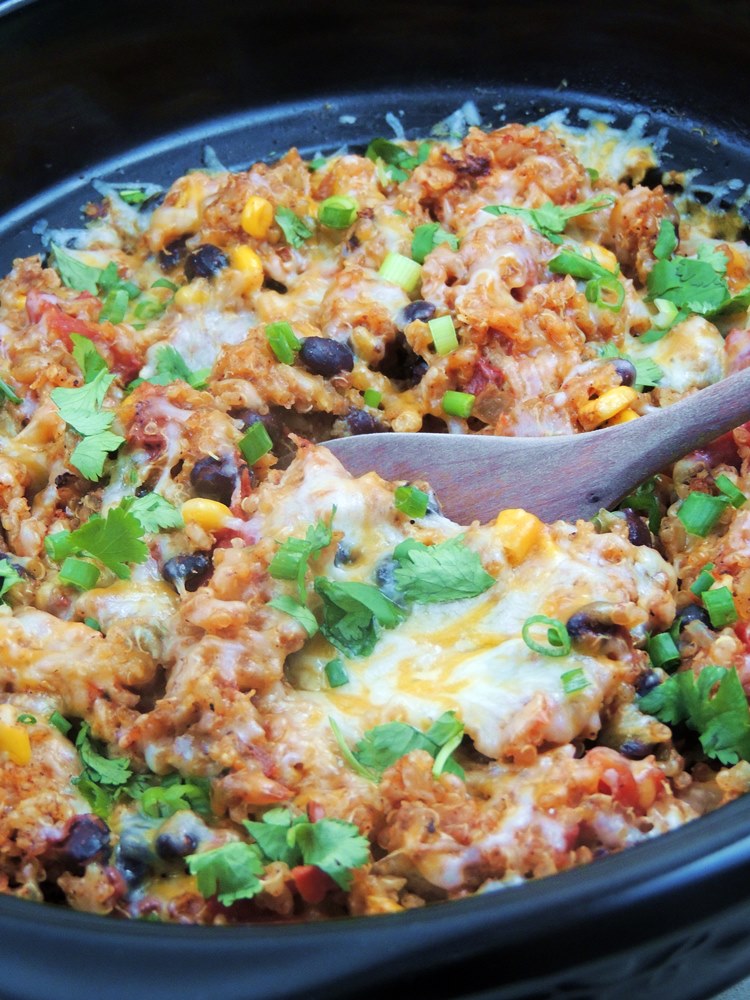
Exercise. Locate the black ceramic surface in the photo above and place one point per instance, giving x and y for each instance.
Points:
(92, 90)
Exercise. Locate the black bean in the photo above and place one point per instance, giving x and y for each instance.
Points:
(134, 855)
(385, 579)
(693, 613)
(205, 262)
(274, 286)
(322, 356)
(401, 363)
(584, 623)
(173, 845)
(434, 425)
(362, 422)
(415, 310)
(87, 839)
(189, 570)
(344, 555)
(647, 682)
(635, 749)
(638, 533)
(625, 370)
(173, 253)
(214, 478)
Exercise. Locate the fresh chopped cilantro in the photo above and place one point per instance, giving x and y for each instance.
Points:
(9, 577)
(88, 359)
(384, 745)
(692, 285)
(291, 559)
(153, 511)
(90, 453)
(352, 613)
(74, 273)
(429, 236)
(115, 306)
(647, 372)
(7, 393)
(173, 794)
(296, 610)
(436, 574)
(713, 704)
(81, 407)
(295, 230)
(397, 160)
(550, 219)
(666, 241)
(172, 367)
(333, 845)
(645, 501)
(229, 872)
(114, 541)
(100, 774)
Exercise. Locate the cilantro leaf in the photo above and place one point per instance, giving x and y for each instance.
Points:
(273, 836)
(74, 273)
(647, 372)
(229, 872)
(435, 574)
(292, 556)
(172, 367)
(153, 511)
(9, 576)
(88, 359)
(295, 230)
(334, 846)
(296, 610)
(351, 614)
(89, 454)
(100, 774)
(550, 219)
(80, 408)
(666, 241)
(713, 704)
(114, 541)
(172, 795)
(429, 236)
(693, 285)
(644, 499)
(384, 745)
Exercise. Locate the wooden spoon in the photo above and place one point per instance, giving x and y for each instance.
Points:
(554, 477)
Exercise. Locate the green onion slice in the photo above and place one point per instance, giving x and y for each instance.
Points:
(400, 270)
(373, 398)
(606, 293)
(79, 573)
(704, 580)
(26, 719)
(92, 623)
(411, 501)
(58, 545)
(338, 212)
(700, 512)
(663, 651)
(336, 673)
(443, 334)
(558, 640)
(283, 342)
(735, 495)
(458, 404)
(60, 722)
(574, 680)
(720, 606)
(255, 443)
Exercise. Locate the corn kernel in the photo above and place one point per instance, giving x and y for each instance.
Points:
(611, 402)
(602, 256)
(623, 417)
(257, 216)
(247, 261)
(518, 532)
(194, 294)
(14, 740)
(207, 514)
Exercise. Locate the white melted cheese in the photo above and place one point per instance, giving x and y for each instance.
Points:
(691, 355)
(200, 335)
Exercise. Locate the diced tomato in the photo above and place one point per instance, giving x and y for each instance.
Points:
(315, 811)
(615, 777)
(484, 374)
(312, 883)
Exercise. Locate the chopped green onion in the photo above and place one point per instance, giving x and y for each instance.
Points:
(6, 391)
(443, 334)
(700, 512)
(79, 573)
(59, 545)
(338, 212)
(298, 611)
(704, 580)
(663, 651)
(282, 341)
(25, 719)
(593, 174)
(736, 497)
(667, 314)
(373, 398)
(336, 673)
(60, 722)
(400, 270)
(720, 606)
(165, 283)
(92, 623)
(574, 680)
(255, 443)
(290, 562)
(115, 306)
(458, 404)
(132, 196)
(411, 501)
(429, 236)
(557, 636)
(606, 293)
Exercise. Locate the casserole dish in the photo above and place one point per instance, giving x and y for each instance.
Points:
(467, 956)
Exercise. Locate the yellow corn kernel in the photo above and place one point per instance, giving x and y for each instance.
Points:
(518, 532)
(602, 256)
(194, 294)
(14, 740)
(257, 216)
(611, 402)
(247, 261)
(623, 417)
(207, 514)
